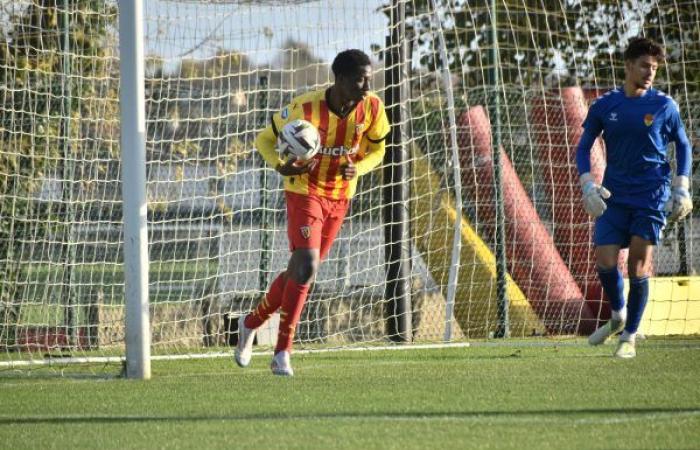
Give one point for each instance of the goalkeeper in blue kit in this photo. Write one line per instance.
(639, 194)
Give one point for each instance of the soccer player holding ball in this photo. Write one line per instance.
(638, 193)
(352, 126)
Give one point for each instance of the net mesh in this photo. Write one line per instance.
(215, 73)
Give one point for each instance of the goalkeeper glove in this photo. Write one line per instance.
(594, 196)
(680, 203)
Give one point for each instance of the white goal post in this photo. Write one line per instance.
(133, 146)
(138, 222)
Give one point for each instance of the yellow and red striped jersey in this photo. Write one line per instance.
(358, 137)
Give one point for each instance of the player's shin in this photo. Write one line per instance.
(292, 303)
(611, 279)
(637, 300)
(270, 304)
(613, 285)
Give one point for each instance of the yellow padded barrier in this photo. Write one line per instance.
(434, 216)
(673, 307)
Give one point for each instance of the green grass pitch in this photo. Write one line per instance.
(514, 395)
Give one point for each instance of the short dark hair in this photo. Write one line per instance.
(641, 46)
(348, 62)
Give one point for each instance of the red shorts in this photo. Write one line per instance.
(313, 221)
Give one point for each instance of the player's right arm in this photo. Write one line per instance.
(593, 194)
(266, 143)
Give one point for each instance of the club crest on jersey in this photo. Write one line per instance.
(305, 231)
(648, 119)
(284, 113)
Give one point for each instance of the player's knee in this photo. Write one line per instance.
(605, 267)
(305, 272)
(607, 256)
(638, 269)
(303, 266)
(606, 264)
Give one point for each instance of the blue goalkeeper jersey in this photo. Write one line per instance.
(636, 131)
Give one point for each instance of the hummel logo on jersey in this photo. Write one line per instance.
(613, 117)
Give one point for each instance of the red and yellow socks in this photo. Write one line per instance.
(270, 304)
(292, 303)
(288, 296)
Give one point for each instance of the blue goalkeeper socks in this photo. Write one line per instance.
(637, 300)
(614, 287)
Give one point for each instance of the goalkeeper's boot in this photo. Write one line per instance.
(244, 349)
(602, 334)
(281, 365)
(625, 350)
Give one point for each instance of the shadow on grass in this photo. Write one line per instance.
(567, 413)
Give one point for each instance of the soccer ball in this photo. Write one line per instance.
(300, 139)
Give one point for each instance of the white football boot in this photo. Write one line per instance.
(281, 365)
(602, 334)
(625, 350)
(244, 349)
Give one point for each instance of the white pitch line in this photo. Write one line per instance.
(675, 346)
(117, 359)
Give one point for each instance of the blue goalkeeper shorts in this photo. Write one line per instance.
(619, 223)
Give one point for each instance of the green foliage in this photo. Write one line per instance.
(180, 128)
(579, 41)
(58, 110)
(676, 26)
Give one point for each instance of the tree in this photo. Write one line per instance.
(675, 24)
(58, 109)
(562, 41)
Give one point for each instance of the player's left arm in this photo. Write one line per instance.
(680, 204)
(376, 146)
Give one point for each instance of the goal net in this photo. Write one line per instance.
(217, 70)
